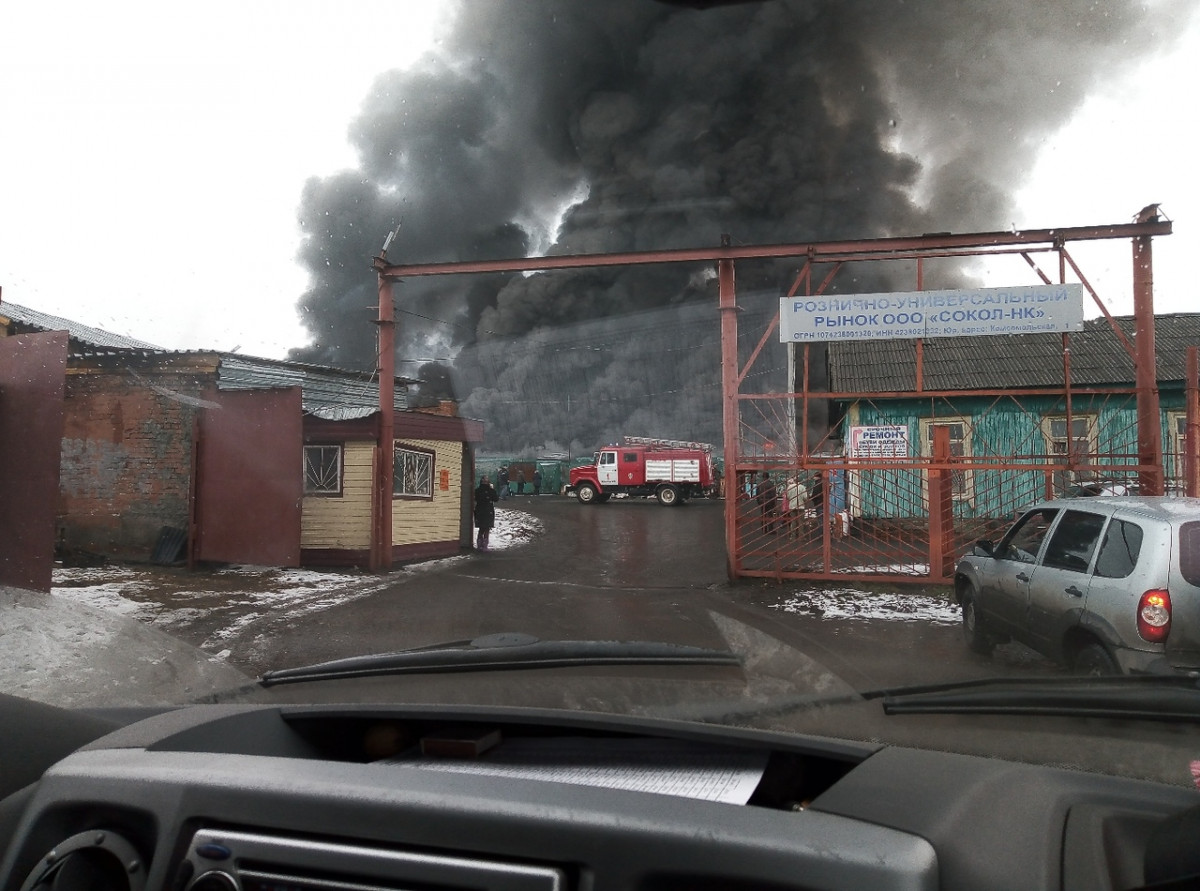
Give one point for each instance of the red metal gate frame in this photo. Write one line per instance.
(916, 249)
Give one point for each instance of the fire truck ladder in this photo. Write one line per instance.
(666, 443)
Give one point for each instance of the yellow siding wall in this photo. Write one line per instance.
(416, 521)
(345, 522)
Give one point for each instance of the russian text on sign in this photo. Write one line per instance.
(1031, 309)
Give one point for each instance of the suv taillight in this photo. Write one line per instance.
(1154, 615)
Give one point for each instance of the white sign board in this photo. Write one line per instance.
(1034, 309)
(878, 442)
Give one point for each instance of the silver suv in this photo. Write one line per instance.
(1103, 585)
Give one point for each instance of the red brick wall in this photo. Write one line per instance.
(126, 460)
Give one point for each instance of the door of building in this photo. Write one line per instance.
(249, 479)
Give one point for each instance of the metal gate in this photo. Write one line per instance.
(830, 516)
(803, 505)
(900, 518)
(33, 370)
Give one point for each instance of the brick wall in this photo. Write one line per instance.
(126, 459)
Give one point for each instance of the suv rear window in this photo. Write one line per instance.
(1189, 552)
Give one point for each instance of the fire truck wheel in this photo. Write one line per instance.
(668, 495)
(586, 494)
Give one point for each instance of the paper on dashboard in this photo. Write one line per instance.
(662, 766)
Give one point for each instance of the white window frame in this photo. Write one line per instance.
(1064, 479)
(925, 431)
(412, 472)
(1092, 436)
(329, 483)
(1177, 429)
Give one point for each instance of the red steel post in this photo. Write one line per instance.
(941, 508)
(1191, 439)
(730, 415)
(381, 514)
(1149, 435)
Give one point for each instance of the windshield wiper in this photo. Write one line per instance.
(499, 652)
(1143, 697)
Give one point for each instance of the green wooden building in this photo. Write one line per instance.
(1010, 414)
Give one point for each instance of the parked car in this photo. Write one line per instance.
(1109, 587)
(1101, 487)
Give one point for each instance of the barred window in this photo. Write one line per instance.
(412, 473)
(322, 470)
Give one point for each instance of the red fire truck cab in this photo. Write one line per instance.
(669, 470)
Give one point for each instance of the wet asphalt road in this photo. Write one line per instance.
(626, 570)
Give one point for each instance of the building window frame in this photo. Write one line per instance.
(1058, 441)
(1177, 430)
(324, 469)
(962, 481)
(1085, 435)
(412, 472)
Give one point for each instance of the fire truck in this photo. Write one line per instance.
(670, 470)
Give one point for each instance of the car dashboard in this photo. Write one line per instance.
(299, 798)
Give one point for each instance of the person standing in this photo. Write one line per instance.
(795, 504)
(485, 512)
(520, 482)
(768, 501)
(816, 492)
(502, 480)
(537, 481)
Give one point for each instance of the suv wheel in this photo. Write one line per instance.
(977, 638)
(1094, 661)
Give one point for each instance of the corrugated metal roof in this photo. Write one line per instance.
(330, 393)
(84, 334)
(1004, 361)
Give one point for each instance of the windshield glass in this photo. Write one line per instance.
(336, 330)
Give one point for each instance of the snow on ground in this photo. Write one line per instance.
(225, 601)
(513, 528)
(861, 605)
(73, 654)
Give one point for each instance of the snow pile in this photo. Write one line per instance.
(513, 528)
(73, 654)
(859, 605)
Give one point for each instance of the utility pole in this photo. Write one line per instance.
(1149, 433)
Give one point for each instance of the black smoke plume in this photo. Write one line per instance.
(579, 127)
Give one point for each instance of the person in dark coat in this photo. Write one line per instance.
(768, 501)
(485, 512)
(502, 478)
(537, 481)
(520, 482)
